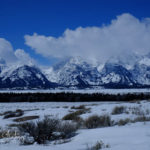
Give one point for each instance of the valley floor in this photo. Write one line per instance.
(87, 90)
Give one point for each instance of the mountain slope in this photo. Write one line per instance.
(24, 77)
(75, 72)
(115, 75)
(141, 71)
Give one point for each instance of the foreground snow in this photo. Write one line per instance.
(133, 136)
(130, 137)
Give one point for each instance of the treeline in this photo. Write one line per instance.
(70, 97)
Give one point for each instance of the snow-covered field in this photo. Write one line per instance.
(132, 136)
(96, 90)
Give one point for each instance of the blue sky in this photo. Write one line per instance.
(52, 17)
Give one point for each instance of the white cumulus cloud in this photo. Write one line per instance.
(24, 57)
(6, 51)
(125, 34)
(10, 55)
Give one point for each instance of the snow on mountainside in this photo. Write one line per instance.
(141, 71)
(75, 72)
(116, 75)
(23, 76)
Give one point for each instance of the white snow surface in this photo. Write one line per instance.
(112, 77)
(145, 61)
(133, 136)
(90, 91)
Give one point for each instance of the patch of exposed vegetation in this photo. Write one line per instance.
(118, 110)
(75, 116)
(25, 118)
(7, 133)
(78, 107)
(123, 122)
(11, 114)
(65, 107)
(48, 129)
(136, 111)
(72, 116)
(141, 119)
(96, 121)
(98, 146)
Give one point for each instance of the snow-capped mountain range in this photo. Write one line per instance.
(22, 76)
(75, 72)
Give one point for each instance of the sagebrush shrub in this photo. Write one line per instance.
(98, 146)
(137, 111)
(67, 129)
(48, 129)
(123, 122)
(71, 116)
(75, 115)
(7, 133)
(141, 119)
(98, 121)
(118, 110)
(41, 131)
